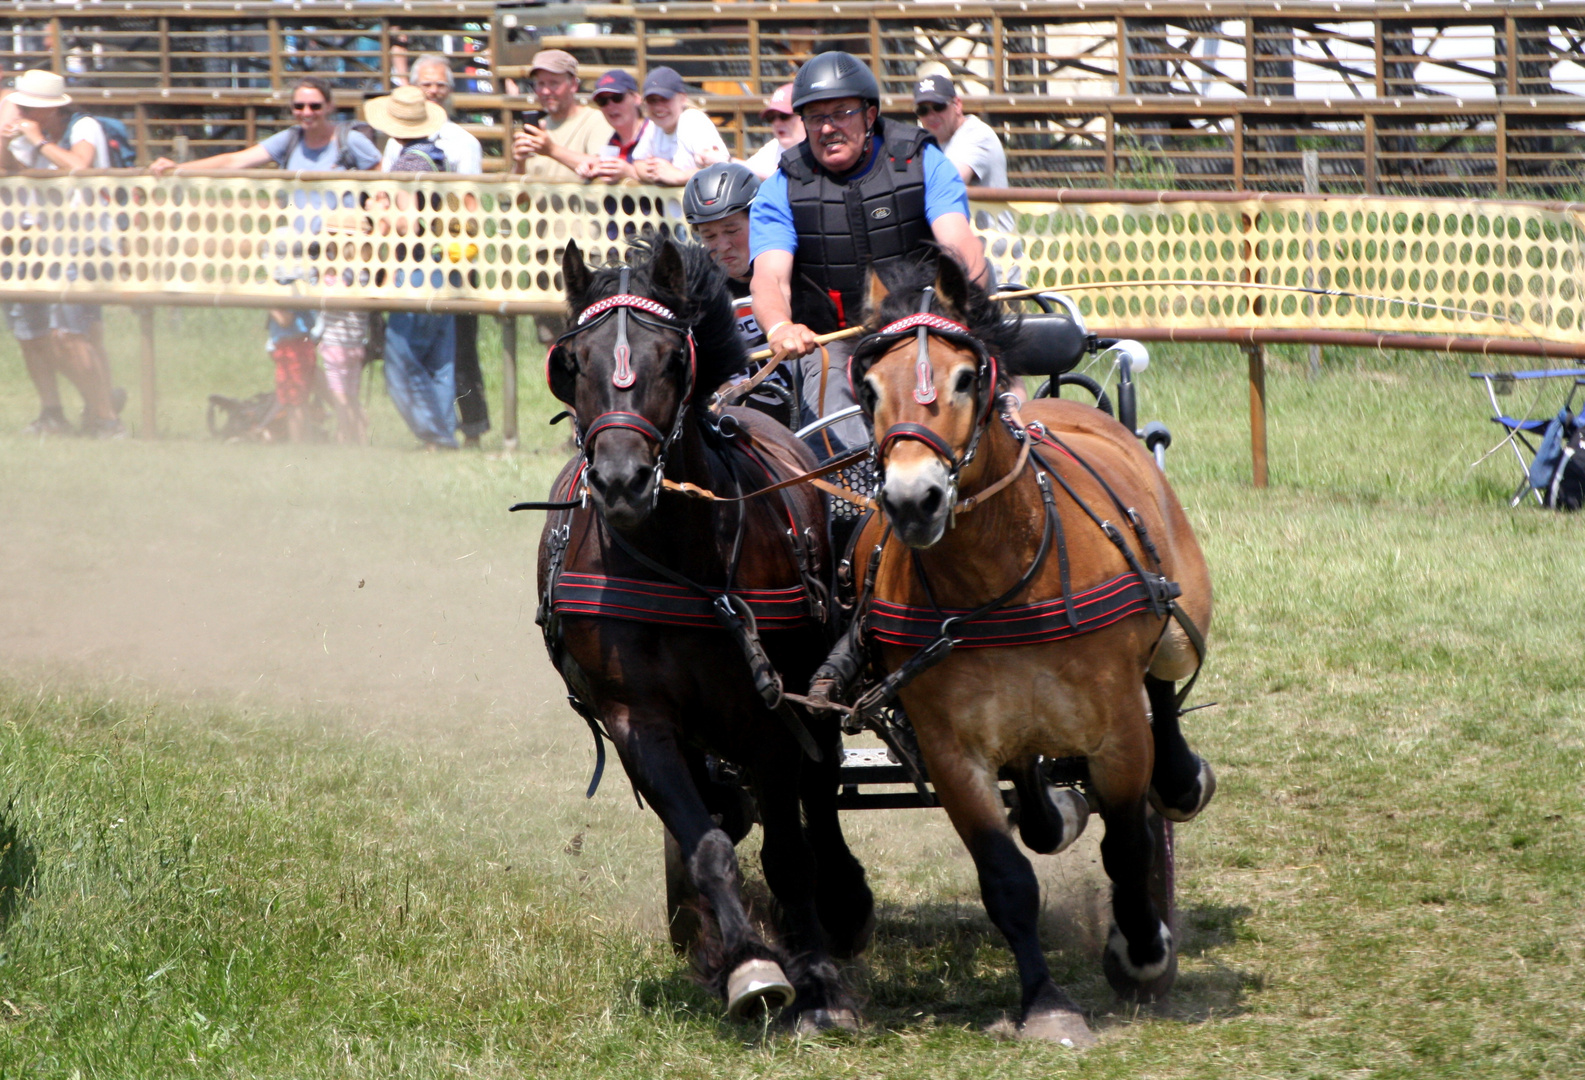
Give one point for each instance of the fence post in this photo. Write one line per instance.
(150, 412)
(1312, 186)
(508, 324)
(1257, 411)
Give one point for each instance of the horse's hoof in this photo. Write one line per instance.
(1197, 799)
(1073, 810)
(1135, 982)
(757, 983)
(816, 1021)
(1062, 1026)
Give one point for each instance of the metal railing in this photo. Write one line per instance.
(1433, 98)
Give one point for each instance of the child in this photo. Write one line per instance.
(292, 348)
(343, 345)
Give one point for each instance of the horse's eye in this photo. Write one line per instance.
(965, 382)
(868, 397)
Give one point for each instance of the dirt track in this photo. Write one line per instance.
(312, 580)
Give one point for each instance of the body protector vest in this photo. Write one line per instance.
(848, 228)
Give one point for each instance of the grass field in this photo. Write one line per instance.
(288, 789)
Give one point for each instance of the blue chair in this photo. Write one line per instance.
(1521, 429)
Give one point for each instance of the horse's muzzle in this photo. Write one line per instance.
(622, 479)
(917, 499)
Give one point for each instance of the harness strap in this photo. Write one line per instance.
(694, 491)
(626, 421)
(939, 649)
(746, 633)
(918, 433)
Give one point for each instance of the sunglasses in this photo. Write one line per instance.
(925, 108)
(307, 106)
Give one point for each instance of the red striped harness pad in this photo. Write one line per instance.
(1029, 624)
(637, 600)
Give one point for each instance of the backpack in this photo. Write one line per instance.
(118, 140)
(421, 156)
(1558, 471)
(344, 155)
(1567, 490)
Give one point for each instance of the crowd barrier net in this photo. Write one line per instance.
(1158, 265)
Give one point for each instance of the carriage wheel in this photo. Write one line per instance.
(682, 900)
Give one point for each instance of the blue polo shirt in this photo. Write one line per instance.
(770, 222)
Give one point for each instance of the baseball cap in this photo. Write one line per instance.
(934, 88)
(780, 102)
(554, 61)
(615, 81)
(664, 82)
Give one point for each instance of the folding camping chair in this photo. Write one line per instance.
(1520, 429)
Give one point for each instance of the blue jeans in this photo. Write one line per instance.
(420, 372)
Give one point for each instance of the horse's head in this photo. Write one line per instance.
(926, 377)
(626, 366)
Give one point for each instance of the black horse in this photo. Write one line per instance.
(670, 617)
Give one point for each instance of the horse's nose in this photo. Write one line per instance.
(623, 483)
(915, 502)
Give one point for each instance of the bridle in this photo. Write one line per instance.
(646, 312)
(924, 325)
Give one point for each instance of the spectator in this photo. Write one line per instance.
(573, 134)
(420, 348)
(291, 346)
(431, 73)
(38, 132)
(787, 127)
(680, 140)
(968, 141)
(343, 349)
(315, 143)
(616, 96)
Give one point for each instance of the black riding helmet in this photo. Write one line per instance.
(834, 75)
(718, 191)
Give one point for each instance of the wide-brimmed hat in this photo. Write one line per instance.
(404, 113)
(40, 90)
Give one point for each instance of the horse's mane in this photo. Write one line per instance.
(986, 319)
(705, 308)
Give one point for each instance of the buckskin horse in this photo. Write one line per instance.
(1020, 598)
(670, 617)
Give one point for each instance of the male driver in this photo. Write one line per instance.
(572, 134)
(968, 141)
(616, 96)
(431, 73)
(786, 126)
(804, 228)
(679, 140)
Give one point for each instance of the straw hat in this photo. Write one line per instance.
(40, 90)
(405, 114)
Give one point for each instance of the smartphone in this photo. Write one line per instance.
(534, 117)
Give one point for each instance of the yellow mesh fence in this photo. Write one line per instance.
(1159, 265)
(1382, 265)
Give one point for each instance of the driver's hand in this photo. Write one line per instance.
(792, 340)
